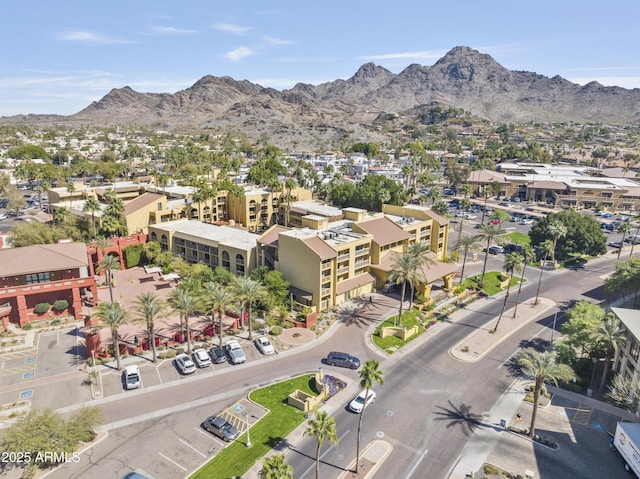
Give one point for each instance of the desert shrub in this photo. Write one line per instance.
(60, 305)
(276, 330)
(41, 308)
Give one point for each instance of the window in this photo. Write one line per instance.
(240, 264)
(159, 206)
(38, 278)
(154, 236)
(226, 264)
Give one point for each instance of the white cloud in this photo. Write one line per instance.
(91, 38)
(165, 30)
(275, 41)
(425, 55)
(231, 28)
(239, 53)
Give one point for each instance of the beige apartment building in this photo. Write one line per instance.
(196, 242)
(329, 262)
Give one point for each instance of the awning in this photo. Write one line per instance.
(152, 269)
(170, 277)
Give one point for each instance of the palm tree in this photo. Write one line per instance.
(102, 244)
(542, 367)
(92, 206)
(248, 291)
(217, 298)
(276, 467)
(633, 243)
(369, 374)
(466, 243)
(625, 229)
(610, 332)
(465, 204)
(512, 261)
(420, 252)
(149, 308)
(113, 315)
(546, 247)
(557, 229)
(488, 234)
(322, 427)
(71, 188)
(402, 269)
(434, 194)
(108, 264)
(60, 215)
(185, 302)
(289, 185)
(528, 255)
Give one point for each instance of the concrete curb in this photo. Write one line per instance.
(377, 451)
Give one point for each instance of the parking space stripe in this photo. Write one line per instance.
(190, 446)
(17, 370)
(173, 462)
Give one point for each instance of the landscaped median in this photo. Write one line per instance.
(392, 334)
(282, 418)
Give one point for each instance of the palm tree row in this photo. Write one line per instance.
(187, 299)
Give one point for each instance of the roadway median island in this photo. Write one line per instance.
(480, 342)
(268, 433)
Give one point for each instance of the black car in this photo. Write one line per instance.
(343, 360)
(217, 426)
(217, 355)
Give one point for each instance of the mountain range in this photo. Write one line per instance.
(463, 78)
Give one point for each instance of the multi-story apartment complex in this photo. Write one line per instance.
(329, 262)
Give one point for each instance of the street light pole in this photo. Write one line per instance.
(248, 443)
(553, 329)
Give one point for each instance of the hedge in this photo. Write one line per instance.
(133, 255)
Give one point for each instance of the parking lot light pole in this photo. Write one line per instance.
(248, 443)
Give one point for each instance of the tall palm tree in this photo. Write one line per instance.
(149, 308)
(71, 188)
(289, 185)
(466, 243)
(557, 229)
(113, 315)
(109, 264)
(542, 367)
(528, 255)
(546, 247)
(184, 300)
(248, 291)
(102, 244)
(369, 374)
(434, 194)
(276, 467)
(420, 251)
(465, 204)
(220, 299)
(322, 427)
(625, 229)
(60, 215)
(92, 206)
(512, 262)
(611, 332)
(488, 234)
(402, 269)
(633, 243)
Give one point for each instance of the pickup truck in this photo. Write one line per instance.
(235, 352)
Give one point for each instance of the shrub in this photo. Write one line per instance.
(56, 322)
(276, 330)
(41, 308)
(167, 354)
(27, 326)
(60, 305)
(491, 470)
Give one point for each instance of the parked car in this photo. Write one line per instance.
(3, 216)
(526, 221)
(201, 358)
(184, 364)
(343, 360)
(218, 426)
(616, 244)
(470, 216)
(494, 222)
(264, 345)
(131, 376)
(505, 205)
(235, 352)
(495, 249)
(607, 215)
(388, 287)
(358, 403)
(134, 475)
(217, 354)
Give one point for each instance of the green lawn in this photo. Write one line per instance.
(491, 282)
(393, 343)
(236, 459)
(518, 238)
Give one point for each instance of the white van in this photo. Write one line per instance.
(131, 376)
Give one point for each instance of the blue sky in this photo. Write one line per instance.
(58, 57)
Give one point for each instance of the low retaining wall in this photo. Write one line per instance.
(398, 331)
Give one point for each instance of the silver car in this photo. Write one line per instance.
(184, 364)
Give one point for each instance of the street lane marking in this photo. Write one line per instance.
(325, 453)
(173, 462)
(417, 463)
(189, 445)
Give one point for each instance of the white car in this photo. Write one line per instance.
(264, 345)
(184, 364)
(131, 375)
(201, 358)
(526, 221)
(359, 403)
(235, 352)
